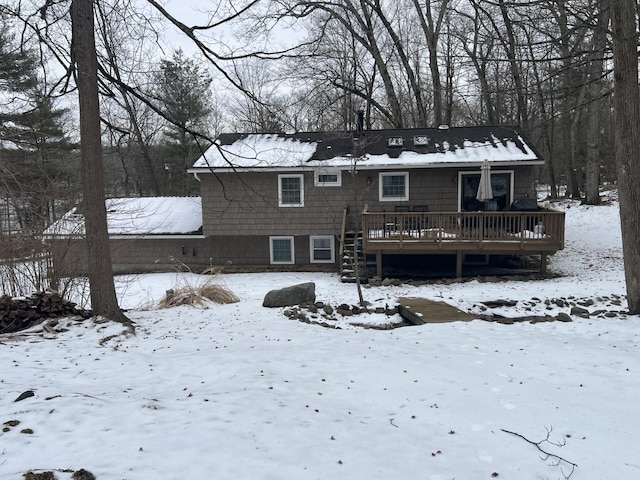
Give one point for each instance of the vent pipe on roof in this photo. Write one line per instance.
(360, 124)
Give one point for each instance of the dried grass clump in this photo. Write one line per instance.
(198, 295)
(218, 294)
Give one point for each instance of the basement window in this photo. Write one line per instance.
(281, 250)
(322, 249)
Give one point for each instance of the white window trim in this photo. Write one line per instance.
(291, 175)
(393, 174)
(332, 247)
(293, 250)
(332, 171)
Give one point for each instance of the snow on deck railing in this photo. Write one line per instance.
(508, 226)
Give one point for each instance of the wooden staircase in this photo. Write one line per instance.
(352, 259)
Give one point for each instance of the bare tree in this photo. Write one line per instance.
(133, 134)
(595, 102)
(103, 295)
(431, 24)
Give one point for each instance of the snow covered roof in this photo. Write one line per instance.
(139, 216)
(417, 148)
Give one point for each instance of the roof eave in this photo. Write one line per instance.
(364, 166)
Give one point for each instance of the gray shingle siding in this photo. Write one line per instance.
(247, 203)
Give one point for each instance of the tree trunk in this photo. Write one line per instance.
(574, 175)
(103, 295)
(431, 31)
(596, 68)
(414, 84)
(627, 115)
(515, 67)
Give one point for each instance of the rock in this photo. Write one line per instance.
(83, 474)
(311, 307)
(24, 395)
(580, 312)
(290, 296)
(586, 303)
(500, 303)
(563, 317)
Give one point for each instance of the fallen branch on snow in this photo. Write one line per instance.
(559, 461)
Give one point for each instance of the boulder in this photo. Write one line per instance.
(563, 317)
(580, 312)
(290, 296)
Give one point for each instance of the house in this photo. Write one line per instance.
(146, 234)
(361, 201)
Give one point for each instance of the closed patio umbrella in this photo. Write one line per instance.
(485, 193)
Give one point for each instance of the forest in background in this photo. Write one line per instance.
(545, 66)
(542, 65)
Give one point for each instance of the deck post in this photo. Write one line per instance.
(379, 264)
(543, 263)
(458, 264)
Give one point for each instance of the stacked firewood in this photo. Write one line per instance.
(18, 314)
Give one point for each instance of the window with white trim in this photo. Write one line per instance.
(394, 186)
(322, 249)
(291, 190)
(281, 250)
(327, 178)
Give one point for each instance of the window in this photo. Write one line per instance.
(501, 186)
(394, 186)
(281, 250)
(420, 140)
(291, 190)
(322, 249)
(327, 178)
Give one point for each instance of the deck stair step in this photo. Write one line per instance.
(353, 257)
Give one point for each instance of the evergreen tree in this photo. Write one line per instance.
(36, 177)
(17, 78)
(183, 94)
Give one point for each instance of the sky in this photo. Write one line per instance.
(240, 391)
(228, 34)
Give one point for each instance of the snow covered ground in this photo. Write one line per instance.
(241, 392)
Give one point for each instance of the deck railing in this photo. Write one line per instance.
(544, 228)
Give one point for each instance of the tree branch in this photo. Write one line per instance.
(559, 461)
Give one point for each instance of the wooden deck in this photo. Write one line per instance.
(493, 233)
